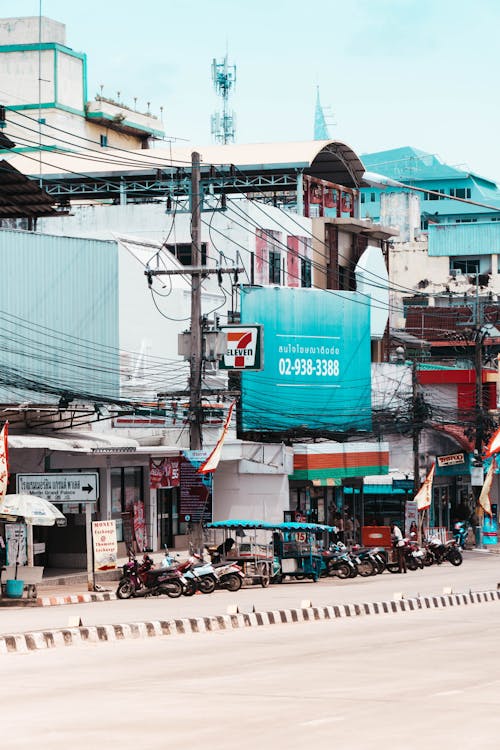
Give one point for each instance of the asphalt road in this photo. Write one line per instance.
(430, 678)
(479, 572)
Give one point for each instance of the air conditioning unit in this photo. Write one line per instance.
(454, 272)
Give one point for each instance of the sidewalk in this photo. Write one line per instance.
(69, 586)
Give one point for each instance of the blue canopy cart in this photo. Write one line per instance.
(248, 543)
(299, 548)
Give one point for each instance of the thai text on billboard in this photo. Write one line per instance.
(316, 361)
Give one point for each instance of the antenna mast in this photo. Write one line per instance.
(223, 123)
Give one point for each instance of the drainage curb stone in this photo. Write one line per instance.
(46, 639)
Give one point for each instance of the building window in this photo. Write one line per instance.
(182, 251)
(126, 488)
(362, 197)
(460, 192)
(465, 221)
(468, 266)
(305, 272)
(104, 140)
(437, 195)
(274, 267)
(372, 197)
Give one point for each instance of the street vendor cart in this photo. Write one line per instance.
(299, 549)
(248, 543)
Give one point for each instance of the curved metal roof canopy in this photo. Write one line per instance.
(328, 160)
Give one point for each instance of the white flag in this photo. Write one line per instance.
(423, 497)
(211, 463)
(484, 497)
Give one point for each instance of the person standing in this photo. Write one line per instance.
(399, 545)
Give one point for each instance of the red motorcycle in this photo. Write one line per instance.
(145, 580)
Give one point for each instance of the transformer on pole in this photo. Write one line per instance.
(223, 123)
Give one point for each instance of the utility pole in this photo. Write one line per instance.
(196, 346)
(196, 353)
(416, 427)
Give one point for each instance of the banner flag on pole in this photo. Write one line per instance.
(423, 497)
(4, 460)
(212, 461)
(484, 498)
(494, 444)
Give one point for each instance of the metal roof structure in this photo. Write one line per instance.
(256, 167)
(20, 197)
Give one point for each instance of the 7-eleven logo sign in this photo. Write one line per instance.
(243, 348)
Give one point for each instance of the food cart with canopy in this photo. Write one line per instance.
(248, 543)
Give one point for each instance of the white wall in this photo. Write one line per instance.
(252, 496)
(19, 72)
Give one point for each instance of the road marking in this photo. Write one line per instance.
(448, 692)
(318, 722)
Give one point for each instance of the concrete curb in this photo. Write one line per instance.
(45, 639)
(53, 601)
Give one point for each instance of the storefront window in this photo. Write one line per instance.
(126, 488)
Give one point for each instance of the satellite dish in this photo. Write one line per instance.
(372, 279)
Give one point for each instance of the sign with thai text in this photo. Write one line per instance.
(105, 545)
(77, 487)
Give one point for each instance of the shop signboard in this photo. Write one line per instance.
(453, 464)
(16, 539)
(105, 545)
(164, 472)
(411, 517)
(196, 489)
(244, 347)
(316, 361)
(61, 487)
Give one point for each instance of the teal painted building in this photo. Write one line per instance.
(427, 172)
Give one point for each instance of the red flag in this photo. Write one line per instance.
(424, 495)
(212, 461)
(484, 497)
(4, 460)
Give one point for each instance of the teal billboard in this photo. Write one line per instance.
(316, 360)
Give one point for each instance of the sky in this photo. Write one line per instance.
(392, 73)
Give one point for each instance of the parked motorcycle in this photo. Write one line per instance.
(145, 580)
(448, 551)
(229, 576)
(460, 532)
(364, 560)
(199, 575)
(414, 555)
(338, 562)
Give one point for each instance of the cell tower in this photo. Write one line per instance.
(223, 123)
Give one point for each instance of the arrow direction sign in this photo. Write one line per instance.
(77, 487)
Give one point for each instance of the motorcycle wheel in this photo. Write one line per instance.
(411, 563)
(124, 590)
(428, 560)
(342, 571)
(207, 585)
(380, 564)
(455, 557)
(173, 589)
(330, 570)
(392, 567)
(233, 582)
(189, 588)
(366, 568)
(353, 572)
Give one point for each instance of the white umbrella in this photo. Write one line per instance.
(35, 510)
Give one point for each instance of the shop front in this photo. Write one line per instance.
(116, 486)
(324, 486)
